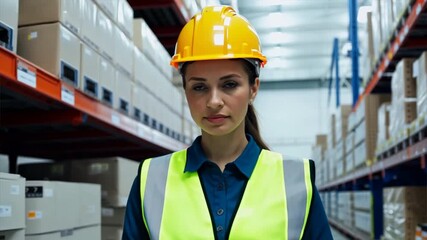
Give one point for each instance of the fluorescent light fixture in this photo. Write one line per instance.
(362, 15)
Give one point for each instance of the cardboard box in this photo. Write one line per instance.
(32, 12)
(89, 31)
(113, 216)
(107, 79)
(383, 124)
(123, 89)
(53, 48)
(89, 66)
(321, 140)
(123, 52)
(45, 211)
(17, 234)
(9, 23)
(92, 232)
(12, 201)
(111, 233)
(331, 135)
(109, 8)
(89, 204)
(125, 18)
(115, 175)
(341, 122)
(105, 30)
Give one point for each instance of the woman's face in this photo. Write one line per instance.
(218, 94)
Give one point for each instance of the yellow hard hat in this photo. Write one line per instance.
(217, 33)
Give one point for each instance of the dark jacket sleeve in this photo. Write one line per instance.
(134, 227)
(317, 226)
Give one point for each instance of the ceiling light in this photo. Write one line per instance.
(362, 15)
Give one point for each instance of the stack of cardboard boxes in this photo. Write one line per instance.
(12, 207)
(113, 177)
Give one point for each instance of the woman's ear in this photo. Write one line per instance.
(254, 89)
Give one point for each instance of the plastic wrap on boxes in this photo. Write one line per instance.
(331, 134)
(376, 29)
(387, 19)
(9, 24)
(360, 155)
(144, 38)
(404, 208)
(349, 157)
(420, 74)
(362, 220)
(362, 200)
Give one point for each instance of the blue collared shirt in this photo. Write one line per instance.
(223, 192)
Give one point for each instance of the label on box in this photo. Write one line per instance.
(5, 211)
(115, 119)
(107, 212)
(48, 192)
(34, 215)
(67, 94)
(26, 74)
(34, 192)
(14, 190)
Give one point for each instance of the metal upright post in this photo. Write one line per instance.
(376, 186)
(337, 71)
(354, 50)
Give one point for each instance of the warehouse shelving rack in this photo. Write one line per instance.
(42, 116)
(403, 161)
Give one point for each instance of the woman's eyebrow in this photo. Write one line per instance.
(230, 76)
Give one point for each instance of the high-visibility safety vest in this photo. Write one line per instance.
(275, 204)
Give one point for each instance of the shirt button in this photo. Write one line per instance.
(219, 228)
(220, 212)
(220, 187)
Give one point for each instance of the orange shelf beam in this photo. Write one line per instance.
(50, 87)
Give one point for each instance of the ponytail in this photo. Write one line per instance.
(251, 127)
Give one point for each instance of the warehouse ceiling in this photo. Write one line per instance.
(297, 36)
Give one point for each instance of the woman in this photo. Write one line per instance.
(227, 184)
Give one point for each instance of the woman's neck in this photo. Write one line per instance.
(224, 149)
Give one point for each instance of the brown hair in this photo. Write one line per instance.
(251, 121)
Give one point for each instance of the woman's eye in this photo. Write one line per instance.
(198, 87)
(230, 84)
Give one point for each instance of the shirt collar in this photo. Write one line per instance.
(245, 162)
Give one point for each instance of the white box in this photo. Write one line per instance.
(45, 206)
(113, 216)
(89, 31)
(12, 201)
(125, 18)
(111, 233)
(88, 233)
(123, 51)
(142, 103)
(105, 31)
(115, 175)
(9, 23)
(89, 204)
(109, 7)
(53, 48)
(144, 38)
(69, 13)
(89, 74)
(107, 79)
(85, 233)
(123, 90)
(17, 234)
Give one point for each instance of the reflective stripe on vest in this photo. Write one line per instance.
(275, 203)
